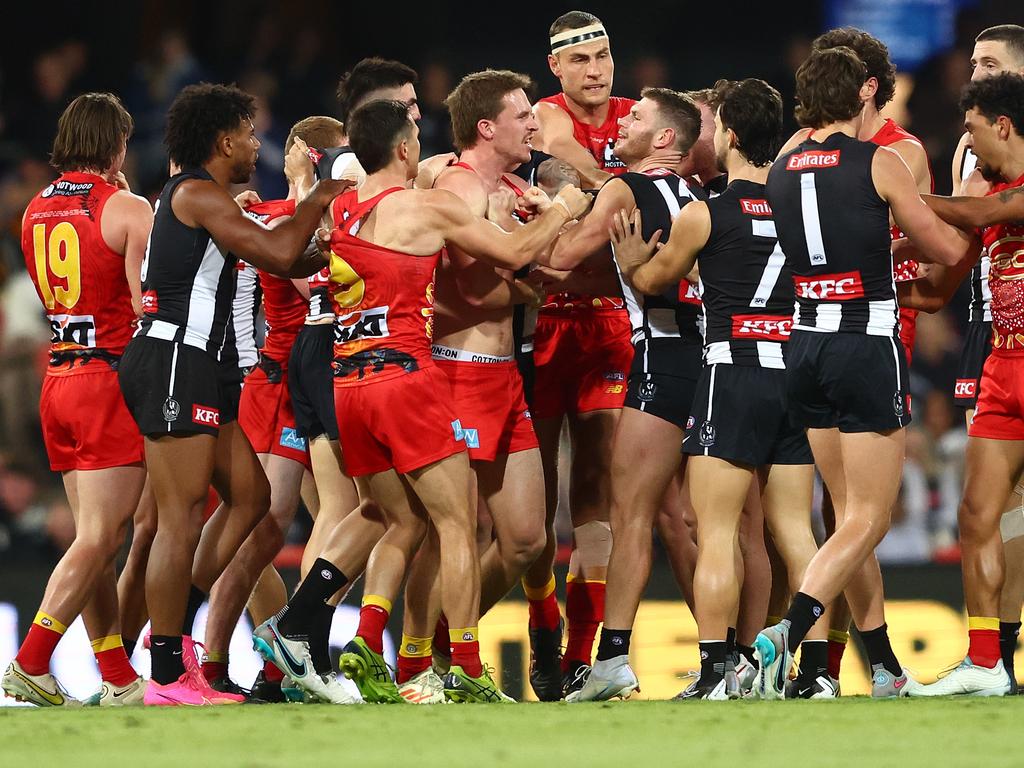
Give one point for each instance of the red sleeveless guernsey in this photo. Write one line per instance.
(383, 300)
(283, 306)
(1005, 246)
(890, 133)
(599, 142)
(79, 279)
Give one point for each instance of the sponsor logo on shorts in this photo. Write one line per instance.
(813, 159)
(966, 388)
(768, 327)
(471, 437)
(527, 415)
(205, 416)
(690, 422)
(614, 389)
(842, 286)
(897, 404)
(365, 324)
(755, 207)
(707, 434)
(149, 302)
(646, 391)
(689, 293)
(171, 410)
(614, 376)
(457, 429)
(290, 439)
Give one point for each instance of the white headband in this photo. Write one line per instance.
(572, 37)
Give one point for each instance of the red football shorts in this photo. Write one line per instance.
(405, 422)
(86, 424)
(490, 407)
(582, 361)
(999, 414)
(265, 415)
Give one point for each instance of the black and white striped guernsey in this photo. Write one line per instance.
(188, 285)
(745, 283)
(834, 229)
(660, 323)
(981, 297)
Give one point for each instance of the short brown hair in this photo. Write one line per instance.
(710, 97)
(828, 87)
(91, 133)
(318, 131)
(478, 97)
(680, 112)
(572, 20)
(1012, 35)
(871, 51)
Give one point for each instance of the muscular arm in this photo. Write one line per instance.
(280, 250)
(590, 236)
(936, 287)
(125, 226)
(556, 138)
(958, 160)
(977, 212)
(675, 260)
(916, 158)
(936, 240)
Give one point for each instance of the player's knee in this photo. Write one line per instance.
(973, 522)
(593, 544)
(525, 547)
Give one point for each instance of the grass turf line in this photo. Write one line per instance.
(852, 731)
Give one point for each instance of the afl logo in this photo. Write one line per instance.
(47, 192)
(171, 409)
(707, 434)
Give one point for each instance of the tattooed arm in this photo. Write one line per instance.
(1007, 207)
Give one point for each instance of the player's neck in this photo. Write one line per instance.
(660, 158)
(592, 115)
(872, 122)
(393, 175)
(847, 127)
(293, 192)
(221, 173)
(739, 168)
(489, 166)
(1012, 168)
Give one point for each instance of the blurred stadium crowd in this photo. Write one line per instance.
(291, 55)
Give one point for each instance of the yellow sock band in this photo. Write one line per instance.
(108, 643)
(216, 657)
(835, 636)
(982, 622)
(771, 621)
(570, 579)
(377, 600)
(539, 593)
(464, 635)
(416, 647)
(47, 621)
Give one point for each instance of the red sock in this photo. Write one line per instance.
(40, 642)
(214, 669)
(271, 673)
(584, 608)
(373, 618)
(836, 646)
(543, 602)
(115, 668)
(984, 641)
(466, 650)
(442, 639)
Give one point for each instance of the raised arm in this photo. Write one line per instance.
(591, 234)
(279, 250)
(936, 240)
(556, 138)
(651, 270)
(958, 162)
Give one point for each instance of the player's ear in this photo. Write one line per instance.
(554, 66)
(485, 129)
(869, 89)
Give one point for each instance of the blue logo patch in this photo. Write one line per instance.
(457, 430)
(291, 439)
(472, 438)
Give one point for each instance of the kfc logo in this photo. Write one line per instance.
(965, 388)
(843, 286)
(689, 293)
(206, 416)
(761, 327)
(756, 207)
(149, 302)
(813, 160)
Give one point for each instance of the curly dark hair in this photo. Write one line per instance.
(871, 51)
(199, 114)
(369, 75)
(753, 110)
(828, 87)
(997, 96)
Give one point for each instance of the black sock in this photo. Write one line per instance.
(320, 584)
(196, 597)
(748, 654)
(802, 613)
(813, 659)
(129, 646)
(165, 654)
(614, 642)
(730, 641)
(879, 649)
(1008, 631)
(320, 639)
(712, 661)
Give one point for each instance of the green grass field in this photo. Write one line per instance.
(851, 731)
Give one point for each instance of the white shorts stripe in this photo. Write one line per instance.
(711, 401)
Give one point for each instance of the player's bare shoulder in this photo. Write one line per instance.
(465, 184)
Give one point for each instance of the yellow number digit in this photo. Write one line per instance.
(62, 254)
(348, 287)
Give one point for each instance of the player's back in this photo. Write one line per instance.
(834, 229)
(80, 279)
(382, 299)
